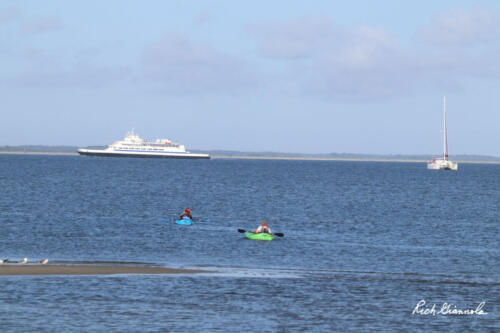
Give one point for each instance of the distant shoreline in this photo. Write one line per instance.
(256, 157)
(341, 159)
(37, 153)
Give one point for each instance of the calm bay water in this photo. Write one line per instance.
(364, 243)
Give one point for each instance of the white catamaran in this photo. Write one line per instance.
(443, 163)
(134, 146)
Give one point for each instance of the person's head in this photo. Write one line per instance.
(188, 210)
(263, 223)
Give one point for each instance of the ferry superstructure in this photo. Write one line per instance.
(133, 146)
(443, 163)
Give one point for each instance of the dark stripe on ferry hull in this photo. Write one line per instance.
(187, 156)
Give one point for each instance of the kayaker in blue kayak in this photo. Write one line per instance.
(186, 214)
(263, 228)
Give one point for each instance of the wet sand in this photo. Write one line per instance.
(90, 270)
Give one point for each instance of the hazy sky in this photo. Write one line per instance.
(291, 76)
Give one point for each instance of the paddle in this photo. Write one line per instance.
(174, 219)
(279, 234)
(199, 219)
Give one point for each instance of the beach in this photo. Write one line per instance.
(90, 270)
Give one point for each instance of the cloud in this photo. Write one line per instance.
(317, 37)
(461, 27)
(183, 66)
(203, 18)
(79, 76)
(42, 70)
(335, 62)
(35, 25)
(9, 14)
(42, 25)
(365, 63)
(295, 39)
(465, 42)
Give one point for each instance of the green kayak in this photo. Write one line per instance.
(260, 236)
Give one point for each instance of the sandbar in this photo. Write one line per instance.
(90, 270)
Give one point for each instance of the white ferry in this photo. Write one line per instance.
(133, 146)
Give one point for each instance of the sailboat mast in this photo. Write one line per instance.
(445, 142)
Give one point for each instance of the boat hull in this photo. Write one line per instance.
(442, 165)
(184, 222)
(259, 236)
(104, 153)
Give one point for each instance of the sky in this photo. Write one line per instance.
(316, 76)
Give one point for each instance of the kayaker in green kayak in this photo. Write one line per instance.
(185, 214)
(263, 228)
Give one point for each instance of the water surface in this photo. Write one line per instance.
(364, 242)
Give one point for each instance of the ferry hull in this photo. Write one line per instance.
(88, 152)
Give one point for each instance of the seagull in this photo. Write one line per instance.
(44, 261)
(25, 260)
(3, 261)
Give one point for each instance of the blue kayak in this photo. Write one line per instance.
(184, 221)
